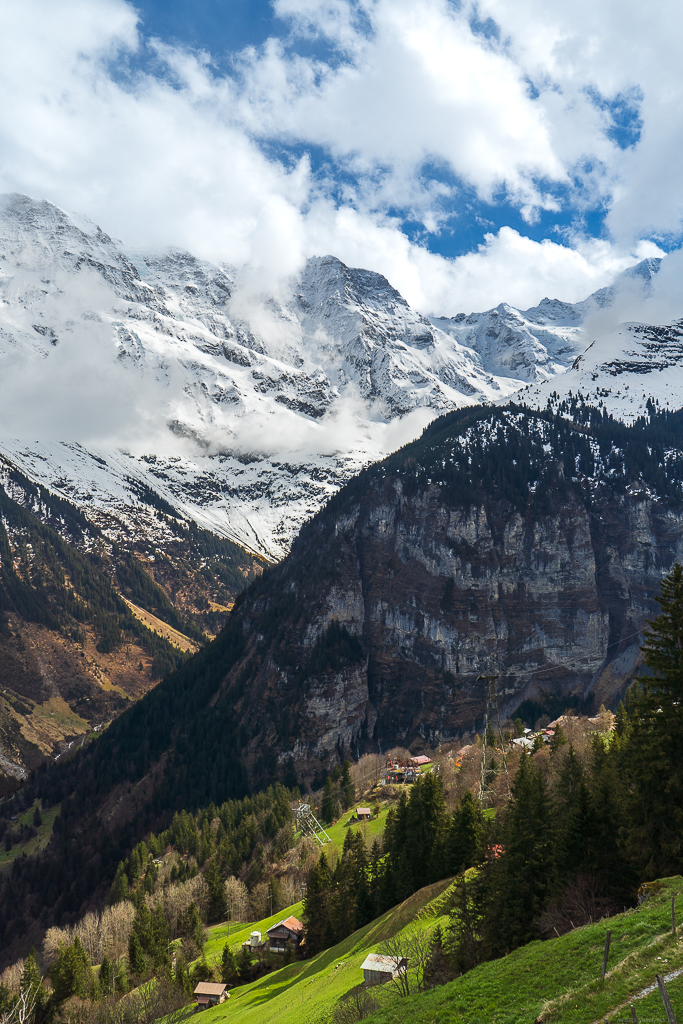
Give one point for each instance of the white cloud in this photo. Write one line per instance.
(617, 48)
(421, 87)
(174, 154)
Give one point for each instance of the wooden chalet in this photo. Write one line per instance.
(363, 813)
(378, 969)
(283, 932)
(209, 994)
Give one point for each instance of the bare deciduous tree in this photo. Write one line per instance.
(55, 939)
(237, 896)
(356, 1005)
(366, 772)
(22, 1011)
(11, 977)
(259, 902)
(89, 932)
(413, 947)
(148, 1003)
(176, 900)
(116, 924)
(290, 889)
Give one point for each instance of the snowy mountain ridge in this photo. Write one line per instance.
(123, 371)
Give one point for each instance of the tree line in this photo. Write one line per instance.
(580, 832)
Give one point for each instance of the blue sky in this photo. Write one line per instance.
(473, 152)
(220, 26)
(226, 28)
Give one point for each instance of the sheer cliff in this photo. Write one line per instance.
(504, 540)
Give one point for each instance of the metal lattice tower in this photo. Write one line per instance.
(491, 714)
(308, 824)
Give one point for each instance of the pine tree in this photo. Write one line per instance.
(244, 964)
(218, 907)
(181, 975)
(137, 964)
(228, 966)
(193, 927)
(347, 787)
(119, 888)
(327, 806)
(317, 904)
(520, 876)
(366, 909)
(426, 817)
(558, 739)
(30, 975)
(465, 835)
(654, 743)
(37, 816)
(106, 977)
(71, 973)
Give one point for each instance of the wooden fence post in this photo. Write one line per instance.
(634, 1019)
(670, 1015)
(673, 914)
(608, 938)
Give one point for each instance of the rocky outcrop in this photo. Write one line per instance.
(504, 541)
(548, 589)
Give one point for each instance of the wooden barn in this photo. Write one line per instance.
(209, 994)
(378, 969)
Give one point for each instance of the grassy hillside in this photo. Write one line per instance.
(238, 933)
(555, 982)
(33, 844)
(306, 992)
(559, 981)
(371, 829)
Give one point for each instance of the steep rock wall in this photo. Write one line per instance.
(552, 595)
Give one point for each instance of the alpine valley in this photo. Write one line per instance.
(188, 429)
(246, 540)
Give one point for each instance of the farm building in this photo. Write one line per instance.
(209, 994)
(378, 969)
(421, 761)
(283, 932)
(363, 813)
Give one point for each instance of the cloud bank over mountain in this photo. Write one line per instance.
(365, 129)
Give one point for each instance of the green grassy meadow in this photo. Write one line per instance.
(372, 829)
(553, 982)
(39, 842)
(238, 933)
(306, 992)
(558, 982)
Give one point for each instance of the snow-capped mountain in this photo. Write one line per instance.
(622, 371)
(124, 373)
(537, 344)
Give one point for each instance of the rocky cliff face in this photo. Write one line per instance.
(505, 541)
(519, 546)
